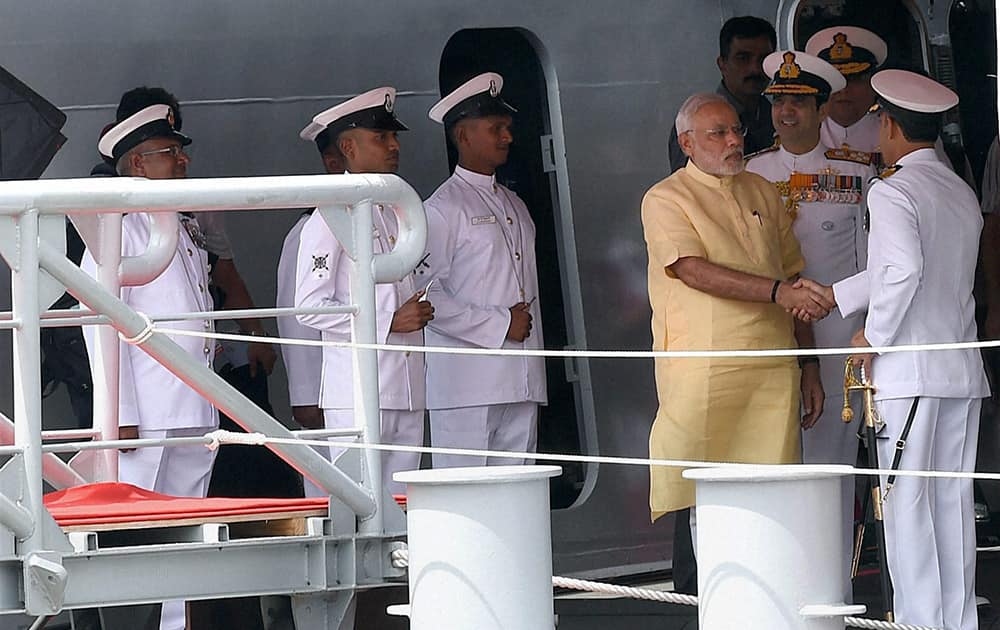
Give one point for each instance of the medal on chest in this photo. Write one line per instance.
(827, 186)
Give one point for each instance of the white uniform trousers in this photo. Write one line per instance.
(504, 427)
(181, 471)
(401, 428)
(833, 441)
(929, 523)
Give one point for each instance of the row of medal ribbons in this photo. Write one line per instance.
(826, 187)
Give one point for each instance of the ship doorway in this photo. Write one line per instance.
(533, 172)
(901, 24)
(895, 21)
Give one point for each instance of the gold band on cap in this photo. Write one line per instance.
(853, 67)
(790, 88)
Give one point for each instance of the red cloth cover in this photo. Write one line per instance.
(102, 503)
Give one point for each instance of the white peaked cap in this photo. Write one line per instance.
(913, 92)
(479, 96)
(371, 110)
(151, 122)
(796, 72)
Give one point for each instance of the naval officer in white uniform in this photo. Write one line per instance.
(481, 243)
(856, 53)
(823, 190)
(152, 402)
(363, 130)
(303, 364)
(922, 251)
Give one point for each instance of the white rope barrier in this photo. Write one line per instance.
(692, 600)
(624, 591)
(219, 437)
(587, 354)
(401, 560)
(876, 624)
(222, 436)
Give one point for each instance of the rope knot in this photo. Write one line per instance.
(221, 436)
(143, 335)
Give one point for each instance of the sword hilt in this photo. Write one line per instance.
(851, 382)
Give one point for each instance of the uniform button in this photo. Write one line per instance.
(392, 239)
(407, 353)
(208, 325)
(381, 208)
(207, 351)
(517, 255)
(510, 221)
(190, 253)
(201, 288)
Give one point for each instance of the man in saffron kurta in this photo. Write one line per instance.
(721, 250)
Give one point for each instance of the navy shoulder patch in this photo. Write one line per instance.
(847, 154)
(886, 173)
(773, 147)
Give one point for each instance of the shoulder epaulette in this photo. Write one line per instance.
(773, 147)
(847, 154)
(886, 173)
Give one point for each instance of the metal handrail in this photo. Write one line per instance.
(344, 201)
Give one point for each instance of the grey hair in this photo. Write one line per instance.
(685, 116)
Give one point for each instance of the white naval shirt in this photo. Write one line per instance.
(830, 227)
(323, 279)
(150, 396)
(303, 364)
(481, 244)
(831, 232)
(922, 251)
(861, 136)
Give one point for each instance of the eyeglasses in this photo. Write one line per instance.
(722, 132)
(174, 151)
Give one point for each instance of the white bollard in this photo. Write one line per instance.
(480, 548)
(770, 548)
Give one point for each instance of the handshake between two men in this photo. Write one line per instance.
(805, 299)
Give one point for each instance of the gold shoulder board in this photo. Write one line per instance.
(773, 147)
(889, 172)
(847, 154)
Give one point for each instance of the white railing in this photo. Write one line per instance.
(31, 225)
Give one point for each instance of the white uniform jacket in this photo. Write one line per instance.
(150, 396)
(322, 278)
(481, 244)
(303, 364)
(829, 223)
(922, 251)
(861, 136)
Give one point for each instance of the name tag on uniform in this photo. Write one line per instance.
(483, 220)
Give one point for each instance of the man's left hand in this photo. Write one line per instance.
(812, 394)
(263, 354)
(863, 359)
